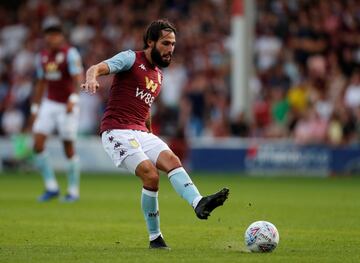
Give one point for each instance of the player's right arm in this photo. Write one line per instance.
(120, 62)
(38, 94)
(91, 84)
(40, 87)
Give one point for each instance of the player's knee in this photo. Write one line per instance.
(174, 161)
(69, 149)
(69, 153)
(152, 180)
(39, 143)
(149, 175)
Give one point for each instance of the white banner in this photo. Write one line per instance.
(92, 156)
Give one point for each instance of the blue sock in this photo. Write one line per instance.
(150, 207)
(183, 185)
(43, 164)
(73, 176)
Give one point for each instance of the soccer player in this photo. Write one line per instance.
(126, 127)
(60, 72)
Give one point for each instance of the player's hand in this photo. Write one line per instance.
(69, 107)
(90, 86)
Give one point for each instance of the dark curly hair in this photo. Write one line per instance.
(153, 31)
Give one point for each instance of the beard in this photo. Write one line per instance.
(157, 59)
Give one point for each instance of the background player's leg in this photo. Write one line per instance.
(179, 178)
(67, 125)
(43, 164)
(73, 172)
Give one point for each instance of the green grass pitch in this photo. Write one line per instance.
(318, 220)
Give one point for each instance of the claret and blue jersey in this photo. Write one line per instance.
(57, 68)
(135, 86)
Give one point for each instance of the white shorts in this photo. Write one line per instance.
(128, 148)
(52, 115)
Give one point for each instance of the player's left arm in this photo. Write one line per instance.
(76, 71)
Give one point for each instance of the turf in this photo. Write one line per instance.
(318, 220)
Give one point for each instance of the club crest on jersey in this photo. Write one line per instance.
(150, 84)
(133, 142)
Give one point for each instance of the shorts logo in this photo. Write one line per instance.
(134, 143)
(117, 145)
(122, 152)
(111, 138)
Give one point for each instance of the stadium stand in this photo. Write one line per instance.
(306, 54)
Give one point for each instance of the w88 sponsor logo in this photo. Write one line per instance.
(147, 97)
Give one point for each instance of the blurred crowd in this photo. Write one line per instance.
(308, 74)
(306, 84)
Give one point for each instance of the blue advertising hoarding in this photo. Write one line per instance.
(277, 159)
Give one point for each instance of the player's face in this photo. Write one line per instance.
(54, 39)
(163, 49)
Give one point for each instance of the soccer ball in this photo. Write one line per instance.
(261, 236)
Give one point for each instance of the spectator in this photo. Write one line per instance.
(352, 92)
(311, 129)
(267, 49)
(309, 49)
